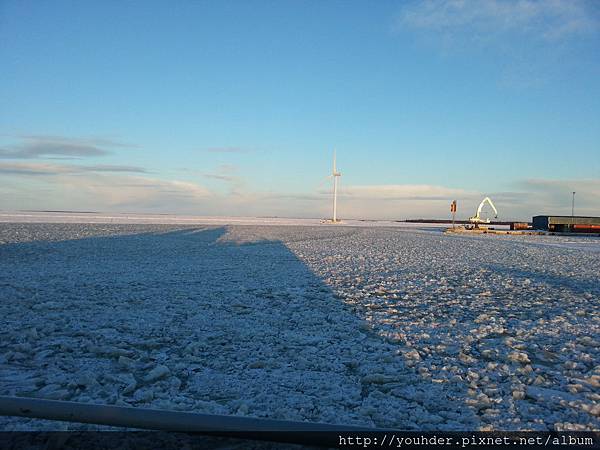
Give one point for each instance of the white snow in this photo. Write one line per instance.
(377, 326)
(174, 219)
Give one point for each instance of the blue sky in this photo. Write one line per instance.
(235, 107)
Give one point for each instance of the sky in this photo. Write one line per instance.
(234, 108)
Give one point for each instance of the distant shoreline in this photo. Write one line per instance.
(146, 214)
(180, 219)
(463, 222)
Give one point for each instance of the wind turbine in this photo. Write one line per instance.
(335, 174)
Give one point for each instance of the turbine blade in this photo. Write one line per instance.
(323, 181)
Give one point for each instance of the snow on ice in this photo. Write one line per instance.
(378, 326)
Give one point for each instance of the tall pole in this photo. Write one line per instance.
(335, 175)
(573, 206)
(335, 179)
(453, 209)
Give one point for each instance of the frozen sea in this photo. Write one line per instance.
(382, 325)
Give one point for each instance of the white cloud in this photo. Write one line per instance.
(71, 187)
(400, 201)
(555, 196)
(52, 147)
(529, 42)
(547, 196)
(55, 169)
(95, 187)
(133, 192)
(549, 20)
(402, 192)
(107, 188)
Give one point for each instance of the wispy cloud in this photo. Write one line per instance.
(557, 194)
(403, 192)
(293, 196)
(216, 176)
(229, 174)
(548, 196)
(96, 140)
(549, 20)
(530, 42)
(51, 147)
(57, 169)
(110, 191)
(107, 188)
(128, 188)
(397, 201)
(29, 169)
(113, 168)
(33, 150)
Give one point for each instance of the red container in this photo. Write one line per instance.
(584, 228)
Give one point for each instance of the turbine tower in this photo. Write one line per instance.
(335, 174)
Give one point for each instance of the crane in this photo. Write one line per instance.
(476, 219)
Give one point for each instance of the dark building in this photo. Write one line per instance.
(573, 224)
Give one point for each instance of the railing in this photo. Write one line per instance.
(163, 420)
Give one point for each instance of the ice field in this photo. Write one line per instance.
(402, 327)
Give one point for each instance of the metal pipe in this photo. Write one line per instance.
(157, 419)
